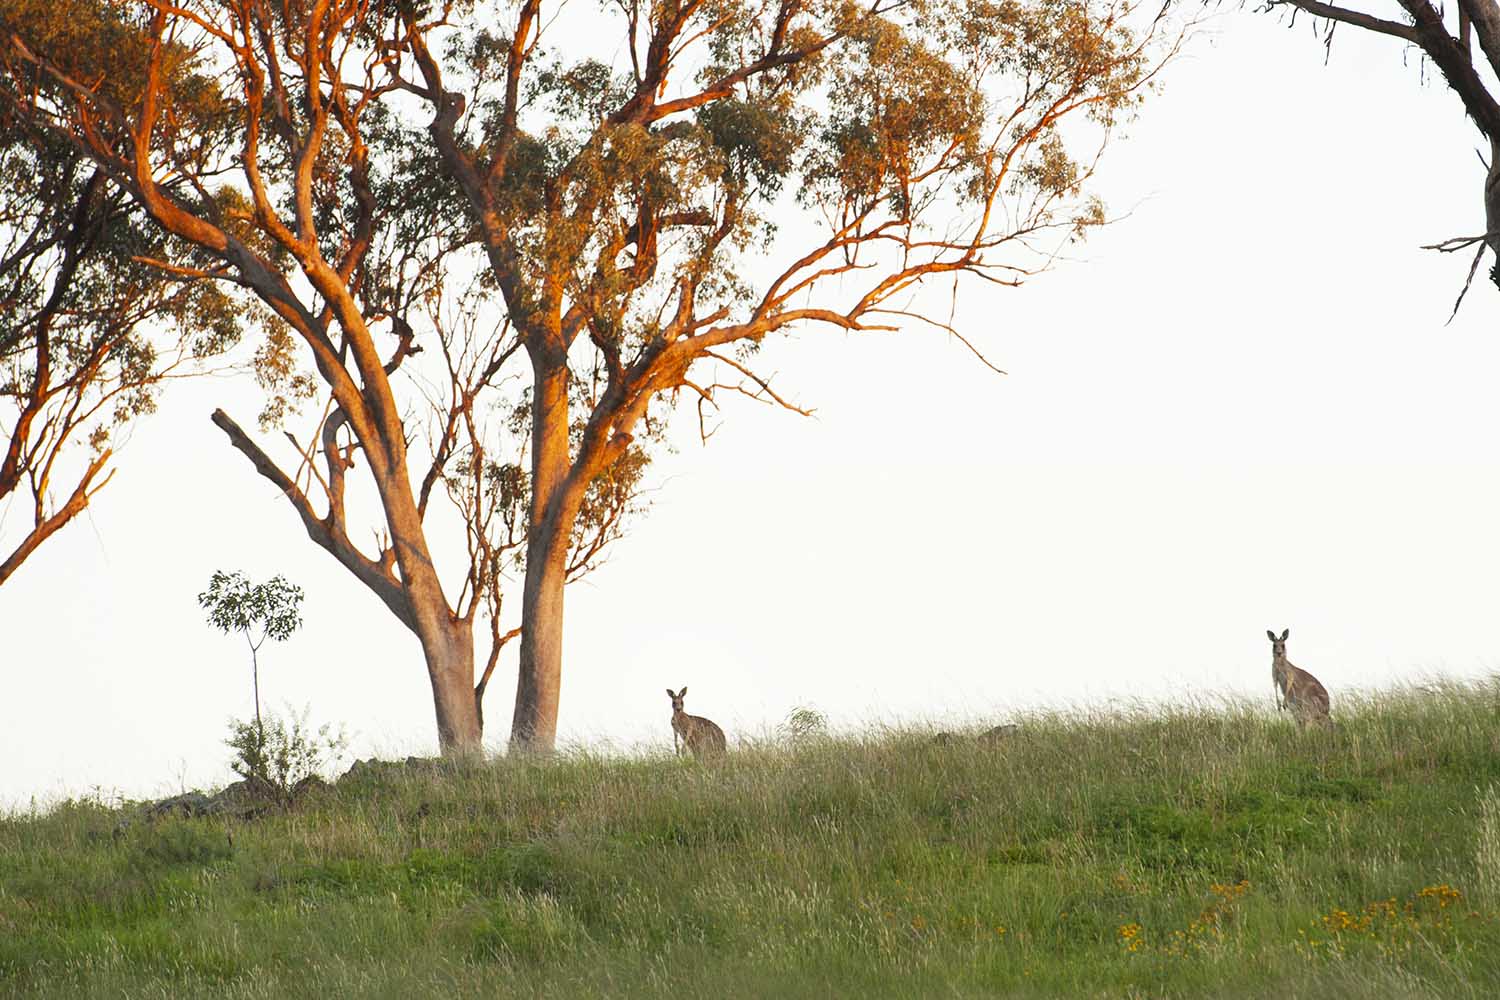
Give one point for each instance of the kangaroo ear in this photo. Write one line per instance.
(671, 693)
(1270, 635)
(1284, 633)
(683, 692)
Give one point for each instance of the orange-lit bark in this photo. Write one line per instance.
(48, 526)
(553, 505)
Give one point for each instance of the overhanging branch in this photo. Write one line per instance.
(82, 494)
(1358, 19)
(326, 533)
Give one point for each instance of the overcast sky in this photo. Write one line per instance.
(1238, 409)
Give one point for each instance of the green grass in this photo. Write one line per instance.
(1175, 853)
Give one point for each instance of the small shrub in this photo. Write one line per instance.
(281, 753)
(804, 725)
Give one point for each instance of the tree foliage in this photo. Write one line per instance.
(260, 611)
(89, 330)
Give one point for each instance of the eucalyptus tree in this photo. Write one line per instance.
(1462, 42)
(258, 611)
(88, 333)
(614, 207)
(629, 200)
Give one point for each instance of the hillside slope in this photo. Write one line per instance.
(1184, 853)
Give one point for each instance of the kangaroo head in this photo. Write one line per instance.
(1278, 645)
(676, 698)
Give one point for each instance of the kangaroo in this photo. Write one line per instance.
(693, 732)
(1296, 689)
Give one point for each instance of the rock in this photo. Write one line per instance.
(380, 770)
(248, 798)
(999, 733)
(310, 785)
(360, 769)
(248, 790)
(187, 804)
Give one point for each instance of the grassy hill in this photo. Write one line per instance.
(1181, 853)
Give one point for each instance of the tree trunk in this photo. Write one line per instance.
(450, 666)
(415, 596)
(539, 678)
(447, 641)
(1492, 208)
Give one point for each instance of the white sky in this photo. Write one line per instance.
(1240, 410)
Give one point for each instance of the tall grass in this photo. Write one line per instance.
(1178, 853)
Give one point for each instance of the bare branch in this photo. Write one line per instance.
(764, 391)
(1356, 18)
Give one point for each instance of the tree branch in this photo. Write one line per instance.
(1358, 19)
(82, 494)
(330, 537)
